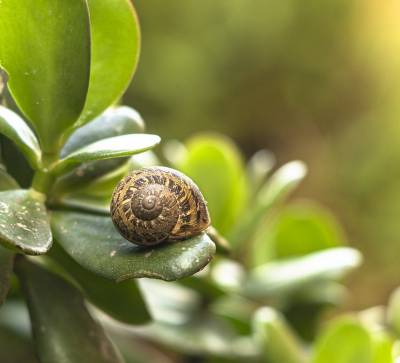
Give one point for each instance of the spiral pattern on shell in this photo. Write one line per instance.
(152, 205)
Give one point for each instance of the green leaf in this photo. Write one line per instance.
(296, 274)
(344, 341)
(63, 330)
(93, 242)
(84, 203)
(113, 147)
(85, 174)
(45, 49)
(103, 186)
(258, 167)
(205, 334)
(277, 188)
(298, 229)
(277, 341)
(122, 301)
(115, 53)
(6, 266)
(382, 345)
(24, 225)
(393, 311)
(169, 302)
(116, 121)
(7, 182)
(237, 310)
(6, 256)
(86, 193)
(224, 185)
(13, 127)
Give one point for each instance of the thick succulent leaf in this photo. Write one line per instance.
(203, 284)
(382, 345)
(6, 256)
(237, 311)
(90, 185)
(6, 266)
(63, 330)
(393, 312)
(24, 224)
(113, 147)
(93, 242)
(13, 127)
(135, 350)
(115, 121)
(224, 185)
(288, 276)
(205, 334)
(344, 341)
(84, 203)
(103, 186)
(84, 175)
(122, 301)
(40, 66)
(169, 302)
(228, 275)
(277, 341)
(258, 167)
(298, 229)
(278, 187)
(174, 152)
(7, 182)
(115, 53)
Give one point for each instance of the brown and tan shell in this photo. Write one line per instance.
(152, 205)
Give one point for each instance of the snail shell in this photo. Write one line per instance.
(151, 205)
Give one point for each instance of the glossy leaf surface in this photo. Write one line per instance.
(278, 342)
(113, 122)
(115, 52)
(113, 147)
(297, 229)
(283, 277)
(215, 165)
(93, 242)
(122, 301)
(48, 78)
(24, 225)
(344, 341)
(13, 127)
(63, 330)
(278, 187)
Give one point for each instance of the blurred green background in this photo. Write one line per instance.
(316, 81)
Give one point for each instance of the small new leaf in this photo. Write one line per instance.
(113, 147)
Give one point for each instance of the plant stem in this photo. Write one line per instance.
(43, 180)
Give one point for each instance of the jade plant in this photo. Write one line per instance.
(73, 290)
(67, 64)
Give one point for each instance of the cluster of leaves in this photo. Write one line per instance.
(64, 268)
